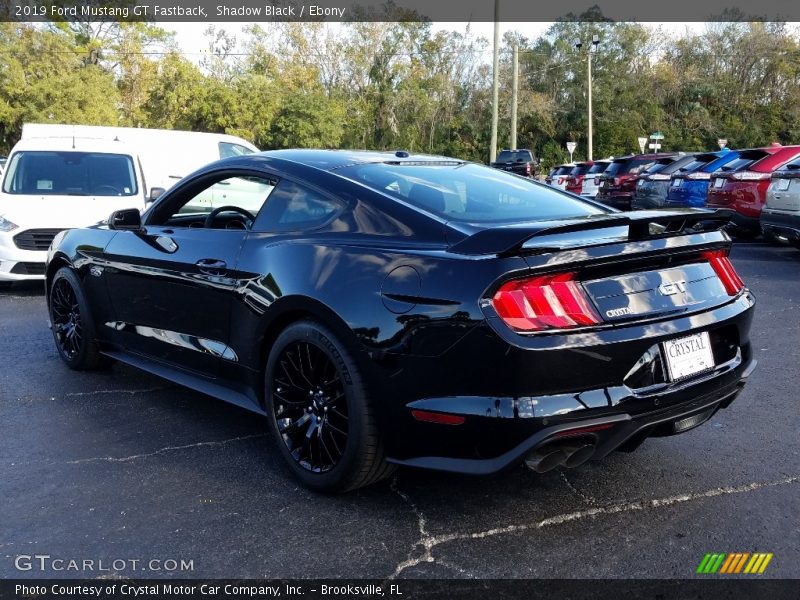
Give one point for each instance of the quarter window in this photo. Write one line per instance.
(292, 207)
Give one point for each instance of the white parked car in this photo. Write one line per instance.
(591, 181)
(561, 175)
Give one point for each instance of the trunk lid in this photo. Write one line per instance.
(634, 266)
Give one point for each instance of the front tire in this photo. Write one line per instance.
(320, 415)
(71, 323)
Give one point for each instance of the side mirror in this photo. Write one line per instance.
(128, 219)
(155, 194)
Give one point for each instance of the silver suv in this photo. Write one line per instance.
(780, 217)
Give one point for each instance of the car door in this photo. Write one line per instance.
(172, 283)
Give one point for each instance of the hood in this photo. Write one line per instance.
(62, 212)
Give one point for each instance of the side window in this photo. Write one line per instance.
(228, 149)
(234, 197)
(292, 207)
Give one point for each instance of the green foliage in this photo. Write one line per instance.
(387, 85)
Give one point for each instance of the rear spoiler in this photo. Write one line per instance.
(643, 224)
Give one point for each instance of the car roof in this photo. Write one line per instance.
(328, 160)
(70, 144)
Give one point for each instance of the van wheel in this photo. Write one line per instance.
(71, 323)
(320, 415)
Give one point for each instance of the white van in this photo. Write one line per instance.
(63, 176)
(166, 155)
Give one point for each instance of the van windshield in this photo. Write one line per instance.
(50, 173)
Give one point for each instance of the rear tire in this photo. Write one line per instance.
(319, 412)
(71, 323)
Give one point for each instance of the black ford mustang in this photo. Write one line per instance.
(388, 309)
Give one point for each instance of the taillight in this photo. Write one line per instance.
(698, 176)
(749, 176)
(527, 169)
(544, 302)
(724, 269)
(597, 180)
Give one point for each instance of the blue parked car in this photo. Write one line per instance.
(688, 185)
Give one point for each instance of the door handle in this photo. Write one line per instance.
(211, 266)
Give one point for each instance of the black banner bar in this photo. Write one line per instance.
(731, 588)
(511, 11)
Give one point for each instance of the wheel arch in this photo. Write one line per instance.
(292, 309)
(59, 260)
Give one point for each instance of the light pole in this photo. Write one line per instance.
(589, 53)
(495, 81)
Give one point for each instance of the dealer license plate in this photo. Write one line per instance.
(677, 182)
(688, 356)
(719, 182)
(782, 184)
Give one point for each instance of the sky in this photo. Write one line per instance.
(191, 41)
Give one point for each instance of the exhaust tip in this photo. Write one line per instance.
(578, 455)
(545, 459)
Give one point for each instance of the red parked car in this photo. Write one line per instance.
(741, 185)
(575, 179)
(618, 181)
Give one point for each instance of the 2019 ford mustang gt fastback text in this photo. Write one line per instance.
(385, 309)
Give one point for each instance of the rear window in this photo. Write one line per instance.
(579, 170)
(657, 167)
(597, 167)
(677, 165)
(565, 170)
(744, 161)
(791, 166)
(469, 193)
(515, 156)
(70, 173)
(695, 163)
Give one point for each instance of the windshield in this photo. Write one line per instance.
(468, 192)
(70, 174)
(514, 156)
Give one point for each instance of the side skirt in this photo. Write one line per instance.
(211, 387)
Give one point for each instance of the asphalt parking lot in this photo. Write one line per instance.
(122, 465)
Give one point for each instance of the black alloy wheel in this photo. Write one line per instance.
(71, 323)
(321, 416)
(66, 319)
(309, 404)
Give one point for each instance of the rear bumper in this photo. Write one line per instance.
(650, 195)
(691, 193)
(608, 433)
(618, 200)
(514, 398)
(781, 224)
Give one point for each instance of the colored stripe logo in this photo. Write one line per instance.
(734, 563)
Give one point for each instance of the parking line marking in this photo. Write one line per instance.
(96, 392)
(429, 542)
